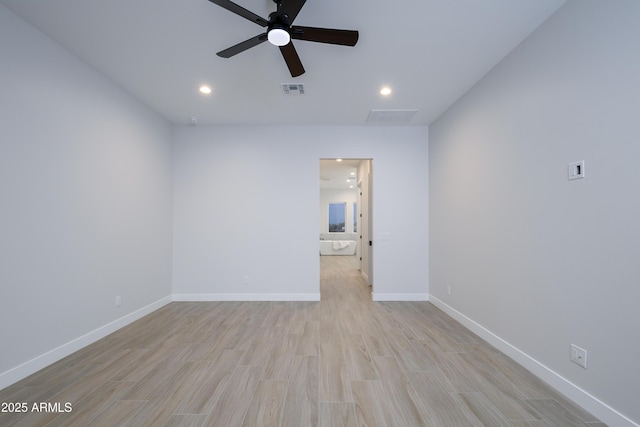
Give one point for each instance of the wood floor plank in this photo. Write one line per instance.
(427, 354)
(440, 341)
(381, 317)
(301, 404)
(91, 404)
(205, 393)
(492, 373)
(309, 340)
(375, 340)
(337, 414)
(482, 409)
(399, 392)
(349, 322)
(185, 420)
(529, 423)
(334, 379)
(259, 350)
(461, 382)
(358, 360)
(180, 386)
(278, 365)
(442, 409)
(153, 413)
(215, 344)
(330, 332)
(370, 404)
(409, 320)
(234, 401)
(301, 313)
(266, 407)
(51, 374)
(404, 351)
(160, 375)
(556, 414)
(30, 419)
(137, 358)
(119, 413)
(146, 360)
(276, 316)
(489, 381)
(243, 338)
(426, 383)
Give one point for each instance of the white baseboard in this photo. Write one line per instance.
(599, 409)
(247, 297)
(378, 296)
(19, 372)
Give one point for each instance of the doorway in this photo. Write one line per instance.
(346, 251)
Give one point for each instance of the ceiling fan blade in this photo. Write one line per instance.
(291, 8)
(239, 10)
(292, 59)
(325, 35)
(241, 47)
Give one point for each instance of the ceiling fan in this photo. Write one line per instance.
(280, 31)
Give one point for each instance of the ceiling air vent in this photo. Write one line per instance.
(390, 117)
(293, 89)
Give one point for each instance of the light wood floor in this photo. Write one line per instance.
(345, 361)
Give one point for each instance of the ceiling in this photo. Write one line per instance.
(429, 52)
(339, 175)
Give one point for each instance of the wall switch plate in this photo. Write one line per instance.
(448, 290)
(118, 300)
(576, 170)
(578, 355)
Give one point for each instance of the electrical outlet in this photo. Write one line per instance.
(578, 355)
(245, 280)
(448, 290)
(118, 300)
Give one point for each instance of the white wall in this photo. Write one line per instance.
(532, 258)
(246, 204)
(85, 195)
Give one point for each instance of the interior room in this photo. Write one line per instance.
(163, 212)
(345, 214)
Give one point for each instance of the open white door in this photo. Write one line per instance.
(365, 226)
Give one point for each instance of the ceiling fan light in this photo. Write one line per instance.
(279, 37)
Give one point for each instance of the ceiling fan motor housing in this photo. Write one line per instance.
(280, 31)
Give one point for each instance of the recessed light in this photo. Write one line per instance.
(352, 174)
(338, 160)
(205, 89)
(385, 91)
